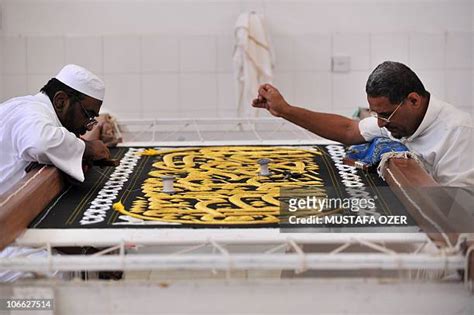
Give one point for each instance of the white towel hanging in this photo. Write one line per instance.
(253, 60)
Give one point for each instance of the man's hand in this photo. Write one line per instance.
(271, 99)
(95, 150)
(329, 126)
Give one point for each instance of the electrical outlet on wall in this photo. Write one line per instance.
(341, 64)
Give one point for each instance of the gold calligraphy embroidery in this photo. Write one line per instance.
(222, 185)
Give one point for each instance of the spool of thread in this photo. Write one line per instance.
(168, 184)
(264, 171)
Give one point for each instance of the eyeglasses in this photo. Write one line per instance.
(91, 121)
(387, 120)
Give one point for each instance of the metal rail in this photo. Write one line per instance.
(283, 255)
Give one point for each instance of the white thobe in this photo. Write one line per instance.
(444, 142)
(30, 131)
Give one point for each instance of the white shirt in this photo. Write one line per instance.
(30, 131)
(444, 141)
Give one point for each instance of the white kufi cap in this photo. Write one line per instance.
(82, 80)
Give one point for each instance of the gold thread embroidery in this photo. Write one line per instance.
(222, 185)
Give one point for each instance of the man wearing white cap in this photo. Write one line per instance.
(45, 128)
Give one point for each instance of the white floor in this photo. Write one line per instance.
(342, 296)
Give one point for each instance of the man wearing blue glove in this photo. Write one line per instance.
(438, 133)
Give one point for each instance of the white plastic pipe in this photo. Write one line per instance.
(236, 262)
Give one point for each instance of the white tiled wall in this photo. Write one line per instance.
(44, 54)
(357, 46)
(123, 95)
(122, 54)
(160, 94)
(14, 55)
(92, 57)
(159, 54)
(349, 91)
(389, 46)
(311, 53)
(163, 58)
(427, 51)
